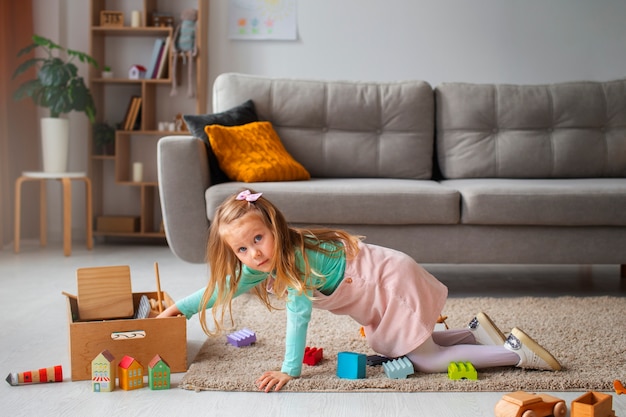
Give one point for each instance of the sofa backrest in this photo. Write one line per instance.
(564, 130)
(343, 129)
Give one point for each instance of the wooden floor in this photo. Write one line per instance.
(34, 329)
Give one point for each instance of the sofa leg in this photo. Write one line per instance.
(622, 271)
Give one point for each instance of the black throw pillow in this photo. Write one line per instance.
(240, 115)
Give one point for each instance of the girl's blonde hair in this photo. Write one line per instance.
(226, 268)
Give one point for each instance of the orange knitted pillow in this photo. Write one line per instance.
(253, 153)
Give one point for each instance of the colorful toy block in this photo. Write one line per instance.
(103, 372)
(351, 365)
(240, 338)
(158, 374)
(593, 404)
(375, 360)
(619, 388)
(462, 370)
(130, 374)
(313, 355)
(398, 368)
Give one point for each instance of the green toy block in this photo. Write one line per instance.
(462, 370)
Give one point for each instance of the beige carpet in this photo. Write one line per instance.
(587, 335)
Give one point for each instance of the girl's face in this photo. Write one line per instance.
(251, 240)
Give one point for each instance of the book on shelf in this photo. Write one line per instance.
(163, 62)
(129, 112)
(157, 50)
(135, 118)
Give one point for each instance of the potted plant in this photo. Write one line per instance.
(104, 138)
(107, 72)
(59, 88)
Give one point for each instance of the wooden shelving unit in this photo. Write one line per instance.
(111, 175)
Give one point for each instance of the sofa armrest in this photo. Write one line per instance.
(183, 175)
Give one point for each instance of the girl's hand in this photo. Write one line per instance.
(271, 379)
(171, 311)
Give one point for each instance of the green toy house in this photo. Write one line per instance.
(158, 374)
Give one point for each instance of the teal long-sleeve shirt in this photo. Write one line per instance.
(328, 274)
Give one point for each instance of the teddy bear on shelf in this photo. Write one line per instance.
(184, 46)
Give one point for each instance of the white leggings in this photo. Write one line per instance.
(443, 347)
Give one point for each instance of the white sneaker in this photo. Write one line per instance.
(532, 355)
(485, 331)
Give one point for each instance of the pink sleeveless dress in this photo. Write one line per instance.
(394, 298)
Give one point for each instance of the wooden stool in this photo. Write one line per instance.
(66, 180)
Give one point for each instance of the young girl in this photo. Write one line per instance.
(251, 247)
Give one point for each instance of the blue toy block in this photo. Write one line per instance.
(351, 365)
(241, 338)
(398, 368)
(462, 370)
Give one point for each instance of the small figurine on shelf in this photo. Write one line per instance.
(137, 72)
(184, 46)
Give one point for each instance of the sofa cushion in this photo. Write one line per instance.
(559, 202)
(253, 152)
(340, 129)
(352, 201)
(566, 130)
(238, 115)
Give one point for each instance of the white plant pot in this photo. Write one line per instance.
(55, 144)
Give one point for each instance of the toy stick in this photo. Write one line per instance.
(158, 281)
(72, 296)
(39, 376)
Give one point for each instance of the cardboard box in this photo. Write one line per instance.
(139, 338)
(117, 224)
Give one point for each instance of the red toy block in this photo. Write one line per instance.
(313, 355)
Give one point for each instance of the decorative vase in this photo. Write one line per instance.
(55, 143)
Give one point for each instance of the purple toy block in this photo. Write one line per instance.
(243, 337)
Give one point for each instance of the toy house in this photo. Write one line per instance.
(137, 72)
(130, 374)
(158, 374)
(103, 372)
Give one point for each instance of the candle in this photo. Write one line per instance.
(137, 172)
(135, 19)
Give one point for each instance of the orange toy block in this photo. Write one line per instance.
(593, 404)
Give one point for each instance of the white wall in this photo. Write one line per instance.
(530, 41)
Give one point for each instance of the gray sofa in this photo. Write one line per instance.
(462, 173)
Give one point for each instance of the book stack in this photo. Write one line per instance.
(158, 61)
(132, 113)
